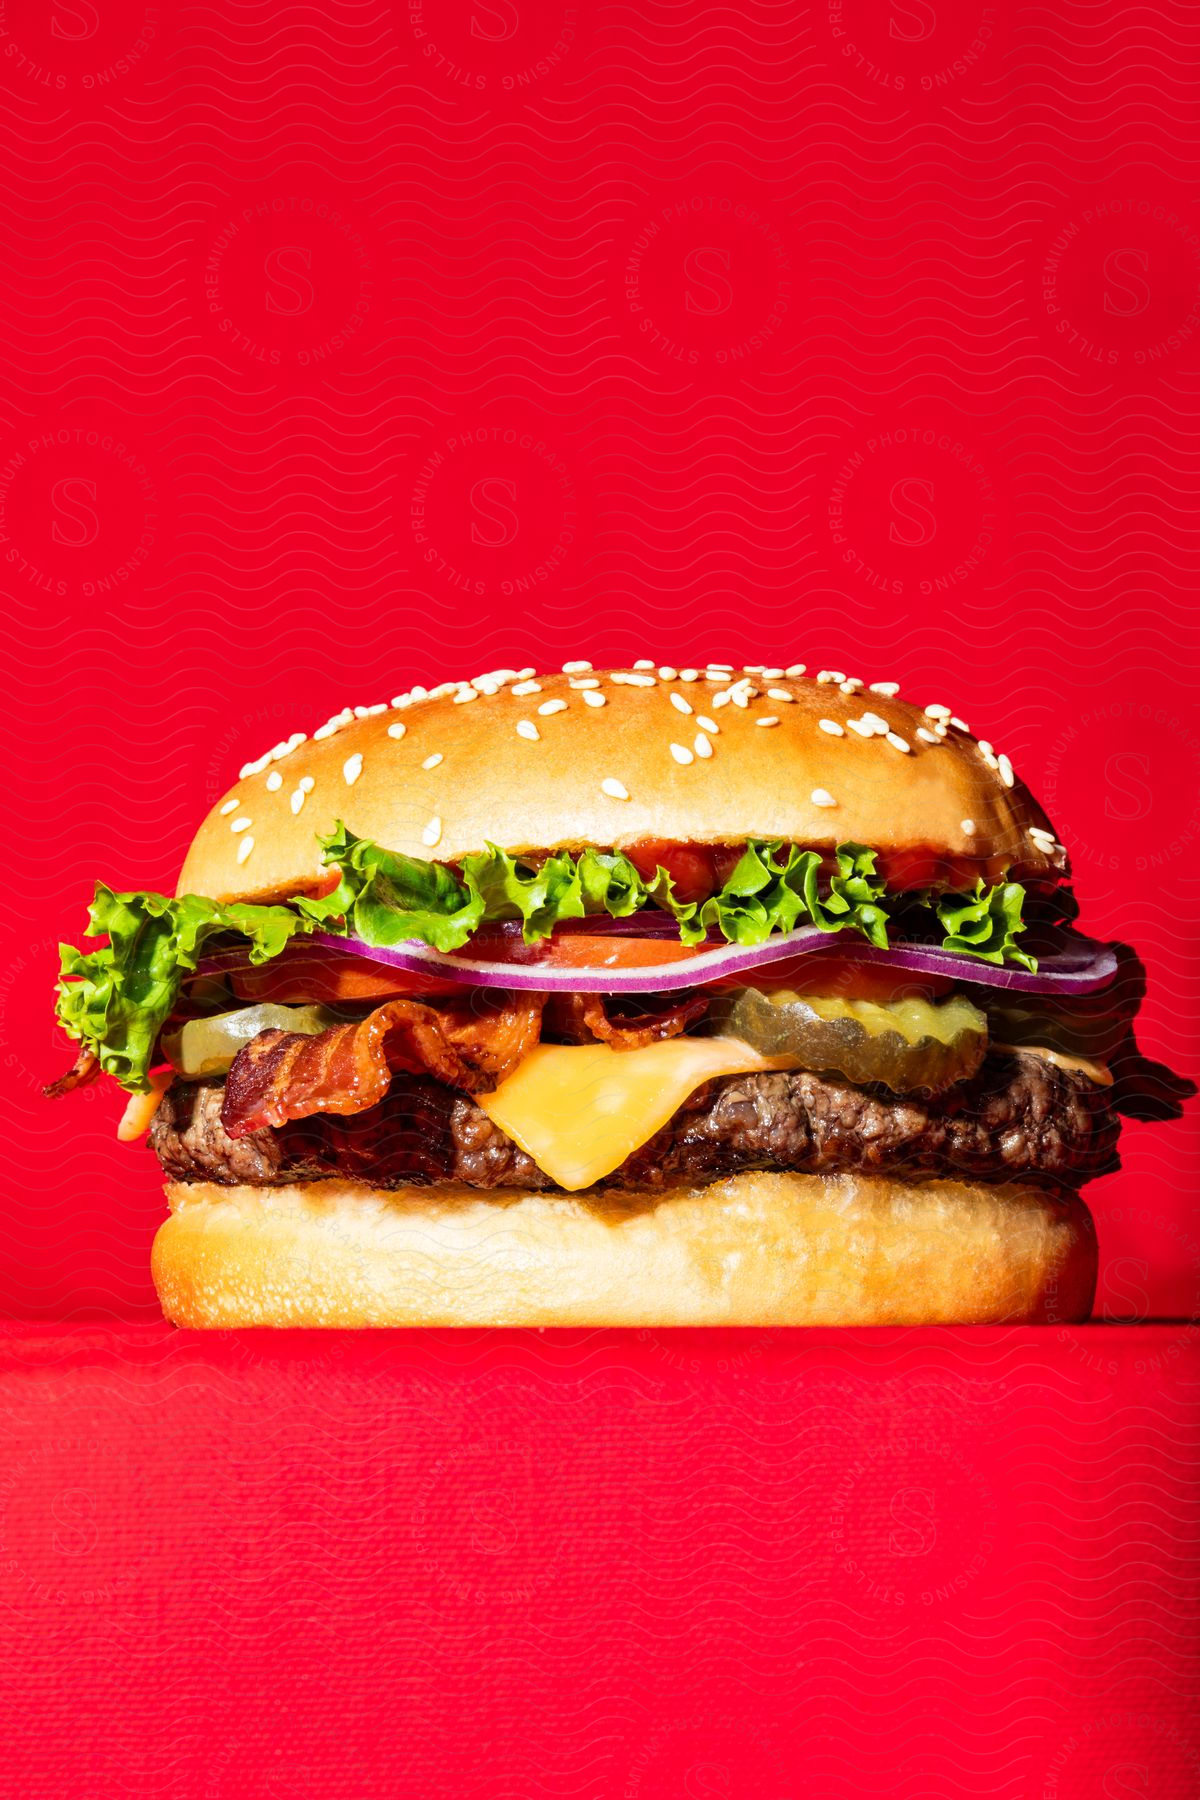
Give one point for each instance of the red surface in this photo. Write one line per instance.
(522, 1566)
(357, 344)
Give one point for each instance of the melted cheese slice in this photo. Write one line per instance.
(1098, 1072)
(579, 1111)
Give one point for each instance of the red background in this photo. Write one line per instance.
(367, 343)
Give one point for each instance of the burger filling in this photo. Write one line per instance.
(1020, 1115)
(407, 1022)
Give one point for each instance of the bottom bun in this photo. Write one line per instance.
(756, 1249)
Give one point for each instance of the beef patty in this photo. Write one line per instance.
(1020, 1115)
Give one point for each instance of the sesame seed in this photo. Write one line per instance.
(822, 797)
(707, 724)
(615, 790)
(968, 828)
(431, 762)
(689, 674)
(702, 745)
(400, 701)
(487, 684)
(432, 833)
(960, 725)
(244, 848)
(741, 693)
(274, 781)
(773, 675)
(861, 727)
(879, 726)
(306, 784)
(335, 724)
(576, 668)
(889, 689)
(727, 667)
(680, 704)
(549, 707)
(588, 681)
(643, 662)
(681, 753)
(717, 675)
(230, 806)
(831, 675)
(937, 712)
(795, 668)
(297, 800)
(926, 737)
(722, 697)
(898, 743)
(524, 674)
(442, 689)
(771, 719)
(780, 694)
(831, 726)
(753, 668)
(527, 687)
(667, 673)
(360, 712)
(624, 679)
(398, 729)
(1006, 770)
(465, 694)
(593, 700)
(242, 824)
(352, 769)
(527, 729)
(985, 748)
(851, 685)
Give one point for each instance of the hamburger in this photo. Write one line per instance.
(640, 997)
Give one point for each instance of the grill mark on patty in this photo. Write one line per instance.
(1019, 1115)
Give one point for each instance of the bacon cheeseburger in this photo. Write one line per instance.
(639, 997)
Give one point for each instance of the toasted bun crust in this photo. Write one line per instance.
(546, 793)
(756, 1249)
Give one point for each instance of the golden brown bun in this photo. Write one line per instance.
(494, 784)
(755, 1249)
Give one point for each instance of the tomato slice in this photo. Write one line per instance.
(305, 972)
(692, 867)
(579, 952)
(309, 972)
(834, 972)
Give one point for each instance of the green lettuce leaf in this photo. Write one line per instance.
(985, 924)
(771, 889)
(563, 886)
(384, 897)
(117, 998)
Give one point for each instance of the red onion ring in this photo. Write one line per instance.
(1081, 967)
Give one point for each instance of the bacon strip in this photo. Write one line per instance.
(580, 1018)
(85, 1068)
(282, 1075)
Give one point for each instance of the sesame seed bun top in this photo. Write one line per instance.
(608, 758)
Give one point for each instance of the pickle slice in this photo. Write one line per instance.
(905, 1044)
(208, 1046)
